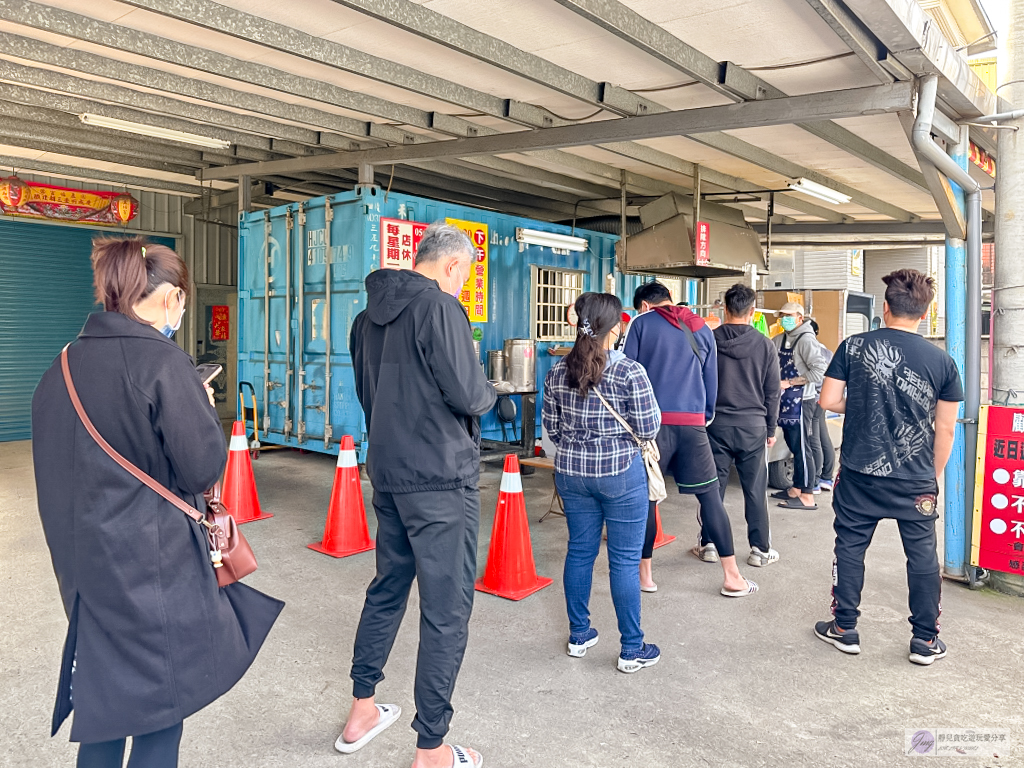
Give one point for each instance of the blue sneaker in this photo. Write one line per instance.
(633, 661)
(578, 644)
(826, 485)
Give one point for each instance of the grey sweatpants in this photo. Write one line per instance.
(430, 536)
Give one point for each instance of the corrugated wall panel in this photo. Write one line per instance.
(45, 295)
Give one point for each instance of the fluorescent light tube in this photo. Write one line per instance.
(153, 131)
(819, 191)
(551, 240)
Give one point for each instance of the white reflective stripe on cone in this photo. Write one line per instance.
(347, 459)
(511, 482)
(238, 443)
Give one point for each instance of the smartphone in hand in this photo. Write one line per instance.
(208, 372)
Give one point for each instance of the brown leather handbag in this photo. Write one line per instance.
(230, 553)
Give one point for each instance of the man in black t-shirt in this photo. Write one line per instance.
(901, 401)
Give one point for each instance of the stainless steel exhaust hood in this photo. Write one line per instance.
(665, 245)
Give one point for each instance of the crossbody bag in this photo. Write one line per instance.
(230, 553)
(648, 450)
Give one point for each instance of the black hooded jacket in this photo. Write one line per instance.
(748, 378)
(420, 384)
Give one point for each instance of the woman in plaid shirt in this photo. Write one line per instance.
(600, 474)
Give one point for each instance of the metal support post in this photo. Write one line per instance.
(622, 216)
(328, 290)
(300, 348)
(288, 369)
(244, 194)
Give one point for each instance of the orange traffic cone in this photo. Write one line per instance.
(660, 539)
(239, 495)
(510, 571)
(345, 532)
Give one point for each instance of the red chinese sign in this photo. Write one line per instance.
(982, 159)
(220, 325)
(702, 244)
(44, 201)
(998, 539)
(399, 240)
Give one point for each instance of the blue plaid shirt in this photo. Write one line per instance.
(590, 442)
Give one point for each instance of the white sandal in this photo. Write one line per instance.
(389, 713)
(750, 589)
(462, 759)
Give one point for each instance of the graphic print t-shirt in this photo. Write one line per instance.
(893, 380)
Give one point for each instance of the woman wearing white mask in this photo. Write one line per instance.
(151, 638)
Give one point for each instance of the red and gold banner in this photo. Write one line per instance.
(982, 159)
(43, 201)
(220, 323)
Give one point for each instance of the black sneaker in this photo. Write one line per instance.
(633, 661)
(846, 640)
(925, 652)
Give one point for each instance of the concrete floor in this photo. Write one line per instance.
(741, 682)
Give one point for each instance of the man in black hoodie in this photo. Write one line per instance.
(422, 390)
(746, 414)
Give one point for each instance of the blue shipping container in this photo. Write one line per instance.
(293, 339)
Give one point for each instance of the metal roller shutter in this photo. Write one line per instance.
(45, 295)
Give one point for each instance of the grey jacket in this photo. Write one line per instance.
(807, 356)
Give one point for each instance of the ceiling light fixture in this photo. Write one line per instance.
(819, 191)
(153, 131)
(551, 240)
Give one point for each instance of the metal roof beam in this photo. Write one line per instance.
(857, 37)
(849, 103)
(98, 176)
(90, 63)
(727, 78)
(103, 33)
(213, 120)
(72, 106)
(441, 29)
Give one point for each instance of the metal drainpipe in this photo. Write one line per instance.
(922, 141)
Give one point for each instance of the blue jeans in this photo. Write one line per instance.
(620, 502)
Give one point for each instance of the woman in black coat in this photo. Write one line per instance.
(151, 638)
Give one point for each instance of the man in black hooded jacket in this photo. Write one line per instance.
(746, 414)
(422, 390)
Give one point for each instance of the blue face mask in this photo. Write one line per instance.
(169, 330)
(788, 323)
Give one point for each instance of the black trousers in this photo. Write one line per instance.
(802, 440)
(150, 750)
(860, 502)
(746, 447)
(430, 536)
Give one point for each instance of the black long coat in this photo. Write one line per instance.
(151, 639)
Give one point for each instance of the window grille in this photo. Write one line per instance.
(553, 291)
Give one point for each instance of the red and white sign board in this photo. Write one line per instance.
(702, 244)
(997, 542)
(399, 240)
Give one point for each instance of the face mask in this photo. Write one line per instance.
(169, 330)
(457, 289)
(788, 323)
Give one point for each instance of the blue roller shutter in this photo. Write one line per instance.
(45, 295)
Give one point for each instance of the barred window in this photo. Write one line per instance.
(553, 291)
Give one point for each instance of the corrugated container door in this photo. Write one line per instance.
(45, 295)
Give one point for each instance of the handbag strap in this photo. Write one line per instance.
(137, 473)
(618, 418)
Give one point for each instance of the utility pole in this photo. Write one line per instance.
(1008, 288)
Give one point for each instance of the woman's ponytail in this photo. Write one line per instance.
(598, 314)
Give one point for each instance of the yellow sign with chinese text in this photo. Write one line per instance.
(474, 292)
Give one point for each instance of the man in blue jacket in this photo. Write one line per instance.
(678, 350)
(423, 392)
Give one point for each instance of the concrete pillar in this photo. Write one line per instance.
(1008, 288)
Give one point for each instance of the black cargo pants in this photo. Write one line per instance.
(746, 447)
(430, 536)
